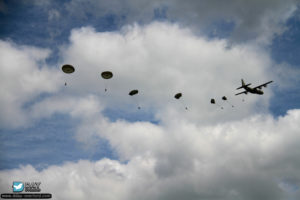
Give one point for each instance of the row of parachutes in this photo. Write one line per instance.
(69, 69)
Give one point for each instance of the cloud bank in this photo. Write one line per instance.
(159, 60)
(201, 153)
(256, 158)
(23, 77)
(246, 20)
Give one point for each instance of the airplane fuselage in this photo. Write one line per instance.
(253, 90)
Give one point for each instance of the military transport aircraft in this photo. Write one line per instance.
(255, 90)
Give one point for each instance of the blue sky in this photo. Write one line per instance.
(199, 48)
(25, 24)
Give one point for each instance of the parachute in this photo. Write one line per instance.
(132, 93)
(212, 101)
(106, 75)
(224, 98)
(178, 96)
(68, 69)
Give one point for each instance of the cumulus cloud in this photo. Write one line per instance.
(23, 77)
(159, 60)
(162, 59)
(202, 153)
(255, 158)
(240, 21)
(258, 20)
(252, 20)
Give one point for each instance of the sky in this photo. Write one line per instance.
(82, 142)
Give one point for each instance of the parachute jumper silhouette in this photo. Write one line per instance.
(224, 98)
(132, 93)
(178, 96)
(212, 101)
(68, 69)
(106, 75)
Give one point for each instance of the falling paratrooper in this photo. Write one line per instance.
(134, 92)
(68, 69)
(106, 75)
(212, 101)
(178, 96)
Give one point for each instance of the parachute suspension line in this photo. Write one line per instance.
(137, 102)
(230, 104)
(183, 104)
(105, 87)
(220, 106)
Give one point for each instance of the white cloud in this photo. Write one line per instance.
(159, 60)
(256, 158)
(162, 59)
(254, 20)
(258, 20)
(23, 77)
(202, 153)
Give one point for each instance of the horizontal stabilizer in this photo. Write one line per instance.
(245, 92)
(243, 86)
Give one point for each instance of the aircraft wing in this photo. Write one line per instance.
(263, 85)
(243, 86)
(245, 92)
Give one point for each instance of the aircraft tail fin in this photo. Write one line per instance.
(243, 84)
